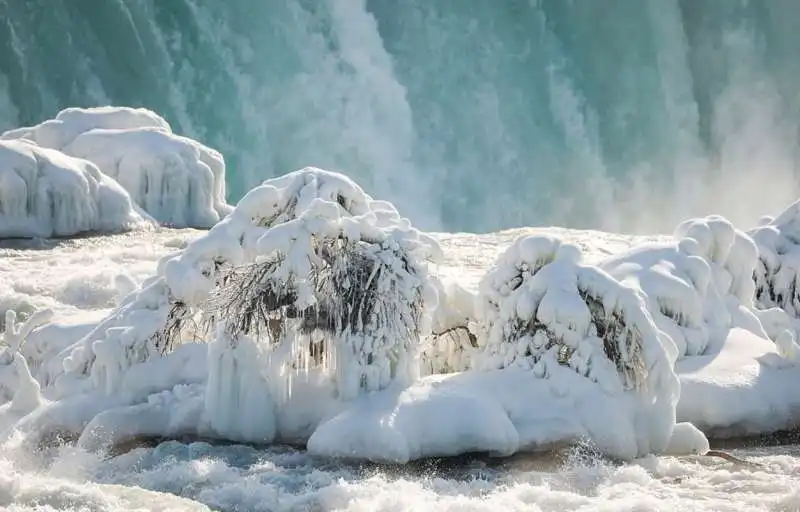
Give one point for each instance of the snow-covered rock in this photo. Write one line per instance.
(541, 310)
(44, 193)
(698, 287)
(177, 180)
(356, 300)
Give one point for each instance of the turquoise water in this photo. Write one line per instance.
(470, 115)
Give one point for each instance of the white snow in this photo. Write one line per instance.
(177, 180)
(526, 340)
(44, 193)
(742, 387)
(616, 369)
(57, 133)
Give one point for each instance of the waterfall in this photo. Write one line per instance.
(625, 115)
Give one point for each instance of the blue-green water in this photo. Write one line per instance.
(468, 114)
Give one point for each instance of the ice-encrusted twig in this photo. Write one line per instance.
(17, 376)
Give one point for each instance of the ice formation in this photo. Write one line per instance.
(71, 122)
(177, 180)
(452, 344)
(342, 275)
(310, 313)
(699, 287)
(541, 307)
(44, 193)
(777, 273)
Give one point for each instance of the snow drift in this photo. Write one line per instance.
(44, 193)
(713, 293)
(177, 180)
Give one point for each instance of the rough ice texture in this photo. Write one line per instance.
(301, 317)
(177, 180)
(44, 193)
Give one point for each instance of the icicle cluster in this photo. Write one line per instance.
(541, 307)
(452, 344)
(176, 180)
(44, 193)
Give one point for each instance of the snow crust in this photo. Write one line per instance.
(176, 180)
(57, 133)
(44, 193)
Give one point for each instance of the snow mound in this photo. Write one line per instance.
(44, 193)
(177, 180)
(746, 387)
(697, 288)
(342, 276)
(71, 122)
(540, 307)
(542, 311)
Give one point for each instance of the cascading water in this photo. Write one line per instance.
(623, 114)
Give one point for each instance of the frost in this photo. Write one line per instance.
(541, 310)
(338, 278)
(541, 306)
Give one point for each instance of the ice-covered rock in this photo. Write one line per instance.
(44, 193)
(177, 180)
(345, 275)
(541, 310)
